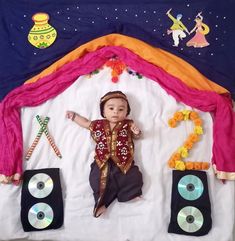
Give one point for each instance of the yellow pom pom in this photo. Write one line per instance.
(179, 165)
(186, 114)
(183, 151)
(198, 130)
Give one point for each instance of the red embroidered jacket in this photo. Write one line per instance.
(116, 144)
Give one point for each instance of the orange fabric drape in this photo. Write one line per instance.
(165, 60)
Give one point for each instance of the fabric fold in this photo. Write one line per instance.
(163, 59)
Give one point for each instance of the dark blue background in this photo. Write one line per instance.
(80, 21)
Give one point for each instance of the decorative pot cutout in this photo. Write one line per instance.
(42, 34)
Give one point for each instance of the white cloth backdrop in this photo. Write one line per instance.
(143, 220)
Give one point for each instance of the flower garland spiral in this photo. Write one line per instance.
(175, 160)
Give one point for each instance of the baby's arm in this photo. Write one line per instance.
(80, 120)
(135, 130)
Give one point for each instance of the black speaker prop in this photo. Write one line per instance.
(190, 204)
(41, 200)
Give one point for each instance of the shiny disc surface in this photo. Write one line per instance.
(190, 219)
(40, 215)
(40, 185)
(190, 187)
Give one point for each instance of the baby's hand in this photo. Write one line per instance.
(70, 115)
(135, 129)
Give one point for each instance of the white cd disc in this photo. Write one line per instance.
(40, 215)
(190, 219)
(40, 185)
(190, 187)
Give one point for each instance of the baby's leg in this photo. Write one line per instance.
(109, 194)
(130, 185)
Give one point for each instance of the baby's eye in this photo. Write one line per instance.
(111, 108)
(121, 109)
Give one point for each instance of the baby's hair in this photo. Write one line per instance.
(111, 95)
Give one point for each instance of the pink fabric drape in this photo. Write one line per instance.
(48, 87)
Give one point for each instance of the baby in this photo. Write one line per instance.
(113, 173)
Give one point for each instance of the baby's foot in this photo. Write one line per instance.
(100, 211)
(135, 199)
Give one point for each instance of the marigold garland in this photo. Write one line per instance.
(117, 67)
(176, 161)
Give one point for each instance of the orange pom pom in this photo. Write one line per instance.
(193, 115)
(171, 163)
(172, 123)
(205, 165)
(178, 116)
(193, 138)
(197, 122)
(176, 157)
(188, 145)
(189, 165)
(197, 165)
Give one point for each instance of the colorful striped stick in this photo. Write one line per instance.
(36, 140)
(55, 148)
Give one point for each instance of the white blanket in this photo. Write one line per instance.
(144, 220)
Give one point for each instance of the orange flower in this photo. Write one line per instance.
(117, 67)
(172, 123)
(171, 163)
(115, 64)
(197, 165)
(193, 115)
(188, 145)
(176, 156)
(205, 165)
(189, 165)
(193, 138)
(178, 116)
(197, 122)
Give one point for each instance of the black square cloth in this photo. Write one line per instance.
(190, 204)
(41, 200)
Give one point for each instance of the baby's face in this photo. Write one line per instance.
(115, 110)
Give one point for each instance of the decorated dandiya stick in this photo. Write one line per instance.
(53, 145)
(36, 140)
